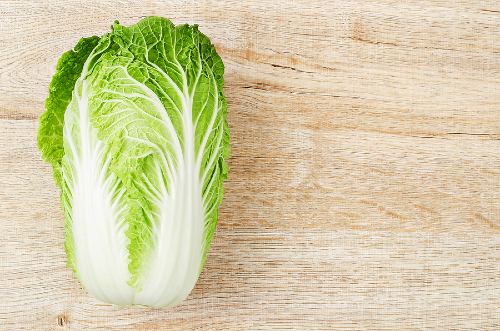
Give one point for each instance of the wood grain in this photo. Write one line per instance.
(365, 185)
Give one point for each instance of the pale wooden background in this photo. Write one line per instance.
(365, 171)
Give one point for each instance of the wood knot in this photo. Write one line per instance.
(62, 320)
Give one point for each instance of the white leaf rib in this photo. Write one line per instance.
(208, 187)
(200, 113)
(215, 155)
(200, 67)
(210, 126)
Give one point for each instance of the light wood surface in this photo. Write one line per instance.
(364, 190)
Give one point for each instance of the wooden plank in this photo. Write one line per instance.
(364, 190)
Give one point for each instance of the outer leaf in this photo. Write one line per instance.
(94, 199)
(68, 70)
(50, 134)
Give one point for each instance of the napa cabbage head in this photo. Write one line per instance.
(135, 129)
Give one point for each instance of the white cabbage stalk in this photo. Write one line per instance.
(135, 128)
